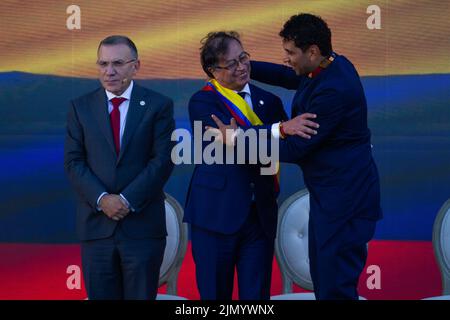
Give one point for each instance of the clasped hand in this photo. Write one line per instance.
(114, 206)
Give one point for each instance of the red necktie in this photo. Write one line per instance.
(115, 121)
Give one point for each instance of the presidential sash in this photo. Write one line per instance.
(240, 110)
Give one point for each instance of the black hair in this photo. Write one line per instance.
(305, 30)
(213, 46)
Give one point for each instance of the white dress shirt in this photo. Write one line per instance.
(248, 99)
(123, 108)
(248, 96)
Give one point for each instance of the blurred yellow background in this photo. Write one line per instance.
(413, 39)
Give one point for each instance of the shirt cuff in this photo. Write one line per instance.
(98, 200)
(276, 130)
(127, 203)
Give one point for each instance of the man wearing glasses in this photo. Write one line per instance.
(338, 166)
(117, 157)
(231, 208)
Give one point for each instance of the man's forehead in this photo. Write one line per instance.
(232, 54)
(289, 44)
(114, 51)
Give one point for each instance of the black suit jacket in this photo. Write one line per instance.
(139, 172)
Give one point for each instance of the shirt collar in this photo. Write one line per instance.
(246, 89)
(323, 65)
(126, 94)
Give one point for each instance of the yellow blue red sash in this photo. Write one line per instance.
(237, 106)
(240, 110)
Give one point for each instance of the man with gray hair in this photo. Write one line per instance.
(117, 157)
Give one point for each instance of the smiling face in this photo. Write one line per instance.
(233, 69)
(303, 62)
(117, 67)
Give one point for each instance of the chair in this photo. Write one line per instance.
(176, 244)
(441, 245)
(291, 247)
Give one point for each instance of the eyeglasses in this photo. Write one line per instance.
(115, 64)
(244, 58)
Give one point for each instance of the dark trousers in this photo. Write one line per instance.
(217, 255)
(335, 266)
(120, 267)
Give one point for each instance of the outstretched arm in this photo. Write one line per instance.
(275, 75)
(329, 109)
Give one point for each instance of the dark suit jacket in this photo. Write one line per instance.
(220, 195)
(337, 163)
(139, 172)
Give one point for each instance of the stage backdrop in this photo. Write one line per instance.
(48, 53)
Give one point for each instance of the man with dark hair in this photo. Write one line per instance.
(232, 208)
(337, 163)
(305, 30)
(117, 157)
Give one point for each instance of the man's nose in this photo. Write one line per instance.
(240, 65)
(110, 71)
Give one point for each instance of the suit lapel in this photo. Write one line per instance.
(258, 104)
(99, 105)
(139, 103)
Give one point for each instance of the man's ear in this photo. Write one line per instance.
(137, 65)
(314, 51)
(212, 70)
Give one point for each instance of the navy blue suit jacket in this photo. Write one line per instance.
(337, 163)
(220, 195)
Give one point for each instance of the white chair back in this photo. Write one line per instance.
(441, 244)
(176, 244)
(291, 247)
(291, 244)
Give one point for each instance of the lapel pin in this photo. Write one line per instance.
(142, 103)
(261, 102)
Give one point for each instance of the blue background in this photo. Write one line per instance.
(409, 117)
